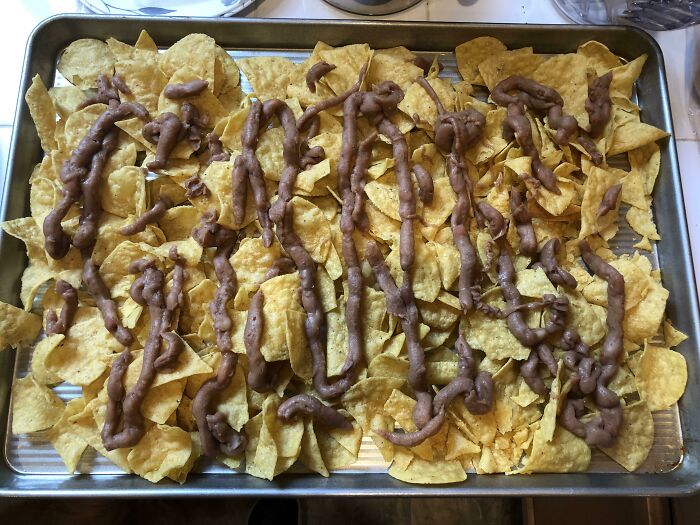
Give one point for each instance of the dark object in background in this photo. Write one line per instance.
(373, 7)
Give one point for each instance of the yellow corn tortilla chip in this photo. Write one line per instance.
(34, 406)
(197, 51)
(17, 327)
(564, 453)
(385, 365)
(69, 445)
(162, 450)
(400, 407)
(295, 337)
(444, 198)
(633, 189)
(124, 193)
(339, 448)
(141, 72)
(367, 397)
(348, 61)
(84, 60)
(337, 341)
(641, 221)
(636, 437)
(43, 374)
(268, 76)
(672, 335)
(425, 277)
(492, 335)
(471, 53)
(207, 104)
(310, 454)
(313, 228)
(260, 442)
(430, 472)
(80, 357)
(66, 99)
(643, 321)
(417, 102)
(626, 75)
(598, 182)
(491, 141)
(533, 282)
(637, 284)
(458, 445)
(502, 65)
(252, 260)
(567, 74)
(646, 160)
(85, 426)
(43, 113)
(632, 135)
(598, 57)
(387, 67)
(661, 377)
(280, 294)
(584, 319)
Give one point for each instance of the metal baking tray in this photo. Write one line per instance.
(30, 467)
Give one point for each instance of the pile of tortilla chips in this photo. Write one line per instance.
(520, 434)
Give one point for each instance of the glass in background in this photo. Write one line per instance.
(654, 15)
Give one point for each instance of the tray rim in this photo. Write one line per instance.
(679, 481)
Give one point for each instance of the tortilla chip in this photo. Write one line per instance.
(43, 113)
(471, 53)
(661, 377)
(17, 327)
(268, 76)
(672, 335)
(34, 406)
(84, 60)
(69, 445)
(636, 437)
(430, 472)
(162, 450)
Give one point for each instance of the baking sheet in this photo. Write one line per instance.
(31, 456)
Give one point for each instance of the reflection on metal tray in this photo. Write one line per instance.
(34, 468)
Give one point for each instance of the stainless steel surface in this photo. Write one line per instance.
(373, 7)
(32, 467)
(653, 15)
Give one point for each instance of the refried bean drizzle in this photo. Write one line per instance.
(261, 374)
(217, 436)
(533, 338)
(555, 273)
(598, 104)
(186, 89)
(81, 176)
(316, 72)
(86, 162)
(594, 377)
(146, 290)
(308, 405)
(106, 92)
(150, 216)
(247, 169)
(217, 153)
(168, 129)
(523, 223)
(59, 324)
(454, 133)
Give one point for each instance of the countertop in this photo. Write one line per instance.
(20, 17)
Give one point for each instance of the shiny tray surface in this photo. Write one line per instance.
(31, 460)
